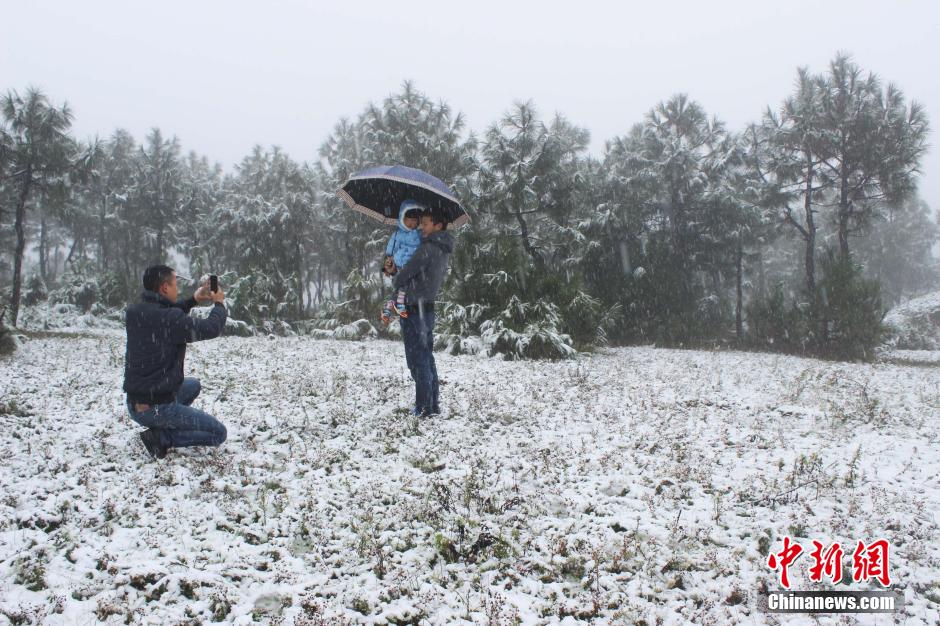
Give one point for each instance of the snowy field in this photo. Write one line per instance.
(636, 485)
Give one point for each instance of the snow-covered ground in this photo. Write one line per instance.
(631, 486)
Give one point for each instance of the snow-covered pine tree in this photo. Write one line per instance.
(870, 144)
(158, 190)
(255, 237)
(664, 180)
(38, 150)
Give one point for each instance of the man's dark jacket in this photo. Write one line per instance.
(423, 274)
(157, 333)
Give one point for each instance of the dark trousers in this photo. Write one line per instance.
(180, 425)
(417, 331)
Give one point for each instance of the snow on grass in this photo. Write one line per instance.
(637, 485)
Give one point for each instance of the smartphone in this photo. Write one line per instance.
(213, 283)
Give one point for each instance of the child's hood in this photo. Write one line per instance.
(408, 206)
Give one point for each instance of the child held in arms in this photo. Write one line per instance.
(401, 246)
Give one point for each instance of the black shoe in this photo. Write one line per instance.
(152, 442)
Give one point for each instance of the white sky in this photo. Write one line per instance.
(223, 76)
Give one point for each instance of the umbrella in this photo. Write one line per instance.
(379, 191)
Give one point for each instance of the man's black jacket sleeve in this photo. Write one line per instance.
(186, 305)
(186, 329)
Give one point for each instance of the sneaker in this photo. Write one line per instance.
(401, 311)
(388, 311)
(152, 443)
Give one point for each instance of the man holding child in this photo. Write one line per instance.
(421, 279)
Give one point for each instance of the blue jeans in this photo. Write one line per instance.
(178, 424)
(417, 331)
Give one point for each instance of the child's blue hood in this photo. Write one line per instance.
(407, 207)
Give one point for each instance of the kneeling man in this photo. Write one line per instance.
(158, 396)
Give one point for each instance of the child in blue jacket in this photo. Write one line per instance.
(401, 246)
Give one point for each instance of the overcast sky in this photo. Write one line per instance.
(223, 76)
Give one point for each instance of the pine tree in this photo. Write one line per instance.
(669, 171)
(39, 151)
(158, 192)
(529, 181)
(795, 168)
(870, 144)
(257, 232)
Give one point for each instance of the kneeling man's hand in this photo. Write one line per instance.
(203, 295)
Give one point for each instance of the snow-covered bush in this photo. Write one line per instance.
(8, 343)
(457, 327)
(522, 330)
(34, 291)
(528, 331)
(915, 325)
(77, 287)
(276, 327)
(588, 321)
(49, 316)
(354, 331)
(237, 328)
(257, 297)
(363, 297)
(773, 323)
(84, 286)
(356, 315)
(843, 321)
(850, 307)
(535, 341)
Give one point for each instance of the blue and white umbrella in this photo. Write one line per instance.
(379, 191)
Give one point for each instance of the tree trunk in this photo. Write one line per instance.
(738, 266)
(72, 250)
(810, 237)
(529, 248)
(843, 233)
(20, 245)
(159, 256)
(845, 208)
(43, 248)
(301, 283)
(102, 240)
(625, 264)
(761, 278)
(319, 284)
(56, 261)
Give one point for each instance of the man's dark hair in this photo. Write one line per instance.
(437, 217)
(156, 275)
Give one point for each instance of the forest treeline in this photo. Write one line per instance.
(793, 234)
